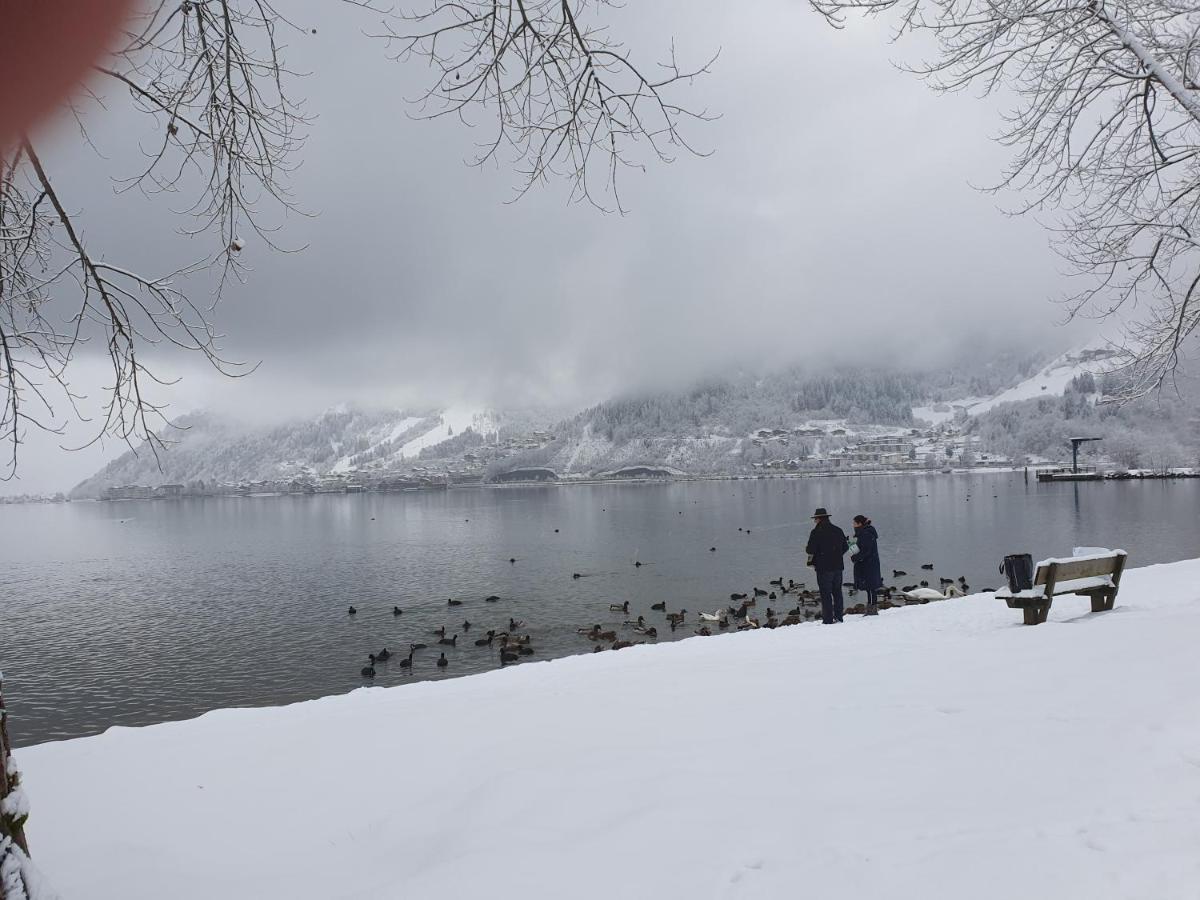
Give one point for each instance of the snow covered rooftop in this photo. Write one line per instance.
(940, 751)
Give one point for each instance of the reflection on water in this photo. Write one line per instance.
(140, 612)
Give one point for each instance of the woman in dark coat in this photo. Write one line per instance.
(867, 576)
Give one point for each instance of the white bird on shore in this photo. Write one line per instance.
(925, 594)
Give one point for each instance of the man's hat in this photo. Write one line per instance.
(821, 513)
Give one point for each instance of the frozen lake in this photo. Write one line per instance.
(139, 612)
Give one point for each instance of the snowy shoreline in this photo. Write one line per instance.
(941, 751)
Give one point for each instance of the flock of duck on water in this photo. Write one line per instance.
(513, 645)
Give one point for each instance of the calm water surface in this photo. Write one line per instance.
(140, 612)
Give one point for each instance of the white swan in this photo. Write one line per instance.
(925, 594)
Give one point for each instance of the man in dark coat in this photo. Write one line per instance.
(827, 545)
(867, 576)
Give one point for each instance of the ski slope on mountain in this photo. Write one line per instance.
(453, 421)
(940, 751)
(1050, 381)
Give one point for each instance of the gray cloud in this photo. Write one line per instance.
(835, 218)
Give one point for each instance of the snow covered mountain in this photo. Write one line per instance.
(789, 419)
(208, 447)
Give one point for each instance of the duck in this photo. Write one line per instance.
(659, 607)
(704, 631)
(525, 650)
(412, 647)
(648, 632)
(491, 598)
(621, 645)
(440, 631)
(406, 663)
(638, 564)
(466, 625)
(640, 623)
(512, 560)
(736, 597)
(778, 582)
(898, 573)
(487, 641)
(712, 549)
(449, 641)
(619, 607)
(507, 657)
(771, 596)
(397, 611)
(712, 617)
(677, 618)
(514, 624)
(759, 592)
(383, 655)
(352, 612)
(442, 662)
(368, 672)
(454, 603)
(576, 575)
(927, 566)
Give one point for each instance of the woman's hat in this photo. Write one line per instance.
(821, 513)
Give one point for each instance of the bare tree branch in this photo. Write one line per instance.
(565, 98)
(1106, 143)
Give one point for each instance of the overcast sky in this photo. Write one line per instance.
(834, 220)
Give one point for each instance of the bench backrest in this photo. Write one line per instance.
(1068, 570)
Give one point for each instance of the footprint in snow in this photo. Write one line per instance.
(745, 869)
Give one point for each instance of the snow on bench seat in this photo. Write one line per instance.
(1073, 586)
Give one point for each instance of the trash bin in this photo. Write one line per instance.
(1018, 569)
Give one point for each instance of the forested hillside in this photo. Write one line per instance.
(1157, 432)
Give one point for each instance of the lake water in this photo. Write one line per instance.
(140, 612)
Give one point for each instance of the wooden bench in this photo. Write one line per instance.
(1097, 576)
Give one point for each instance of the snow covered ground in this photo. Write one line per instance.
(940, 751)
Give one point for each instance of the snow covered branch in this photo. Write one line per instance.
(1105, 133)
(19, 880)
